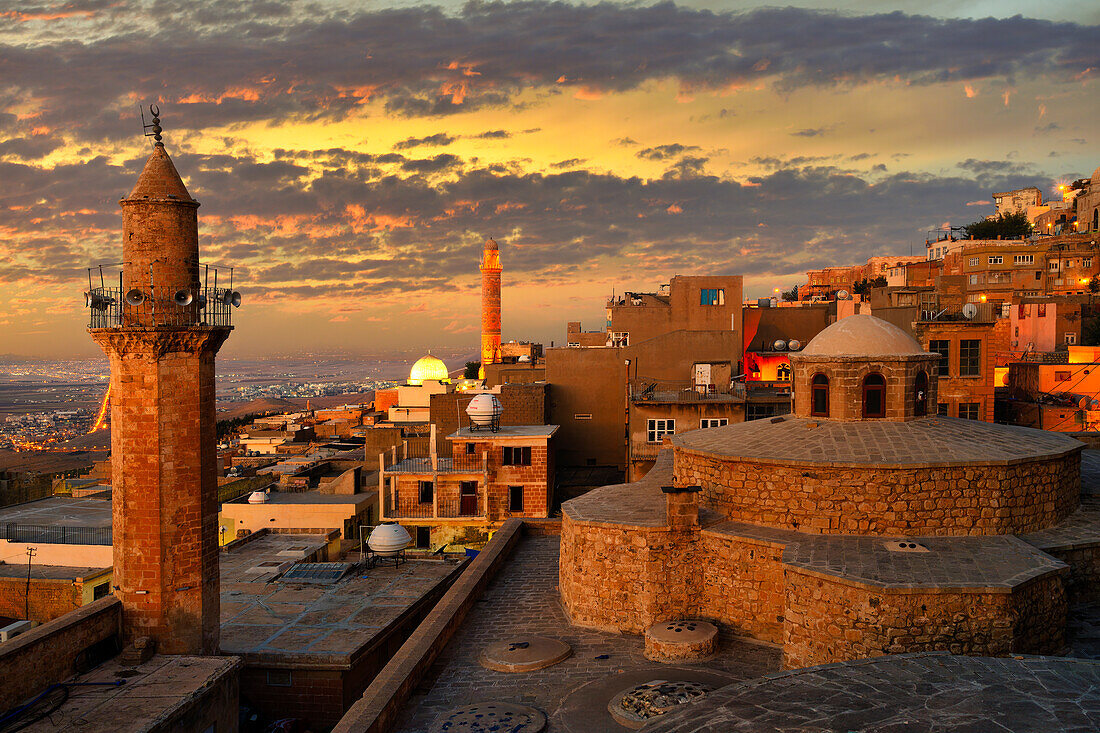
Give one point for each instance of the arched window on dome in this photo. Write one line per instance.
(819, 396)
(920, 394)
(874, 395)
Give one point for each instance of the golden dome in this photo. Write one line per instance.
(428, 368)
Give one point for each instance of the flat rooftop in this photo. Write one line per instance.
(907, 692)
(161, 690)
(59, 511)
(505, 431)
(264, 618)
(522, 600)
(930, 441)
(311, 497)
(48, 572)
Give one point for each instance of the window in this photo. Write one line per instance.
(760, 410)
(713, 422)
(1023, 259)
(516, 455)
(973, 279)
(970, 357)
(973, 261)
(101, 590)
(783, 373)
(620, 338)
(427, 489)
(1071, 338)
(968, 410)
(819, 396)
(712, 296)
(582, 416)
(941, 409)
(1054, 264)
(1061, 376)
(280, 678)
(920, 395)
(943, 348)
(423, 538)
(996, 260)
(515, 498)
(874, 395)
(470, 449)
(1087, 262)
(656, 430)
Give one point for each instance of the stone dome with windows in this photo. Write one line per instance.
(863, 368)
(862, 524)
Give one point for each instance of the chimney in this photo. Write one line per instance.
(682, 507)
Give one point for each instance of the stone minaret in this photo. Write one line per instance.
(490, 304)
(161, 348)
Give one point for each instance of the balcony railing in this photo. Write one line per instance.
(423, 464)
(154, 304)
(653, 390)
(443, 507)
(984, 313)
(56, 535)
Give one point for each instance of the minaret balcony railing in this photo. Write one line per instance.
(147, 305)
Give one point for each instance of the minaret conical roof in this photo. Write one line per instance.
(159, 179)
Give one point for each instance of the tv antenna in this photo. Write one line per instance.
(154, 126)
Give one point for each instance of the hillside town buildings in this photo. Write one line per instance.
(706, 490)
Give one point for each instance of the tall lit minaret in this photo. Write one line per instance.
(161, 327)
(490, 304)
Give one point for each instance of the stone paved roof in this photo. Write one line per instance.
(1090, 471)
(523, 600)
(995, 563)
(1080, 529)
(931, 692)
(640, 504)
(931, 441)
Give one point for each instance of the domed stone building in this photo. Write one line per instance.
(857, 526)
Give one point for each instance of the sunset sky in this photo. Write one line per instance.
(351, 157)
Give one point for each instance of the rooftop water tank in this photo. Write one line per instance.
(484, 411)
(388, 539)
(257, 497)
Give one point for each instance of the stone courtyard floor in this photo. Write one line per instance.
(523, 600)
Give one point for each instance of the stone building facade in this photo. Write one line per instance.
(842, 534)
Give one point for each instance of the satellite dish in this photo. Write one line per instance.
(780, 345)
(135, 297)
(969, 311)
(201, 301)
(843, 295)
(794, 344)
(183, 297)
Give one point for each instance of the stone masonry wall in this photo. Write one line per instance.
(829, 621)
(49, 598)
(47, 654)
(960, 500)
(743, 586)
(1083, 581)
(602, 573)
